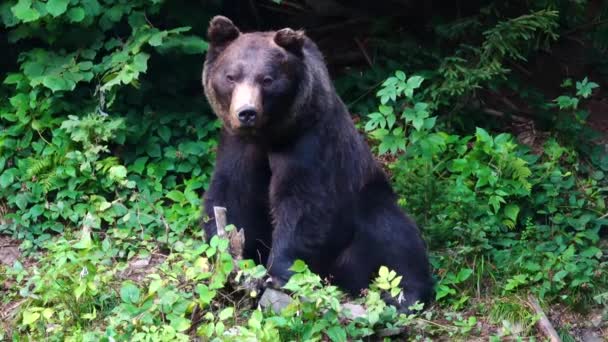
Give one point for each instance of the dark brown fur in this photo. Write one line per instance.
(301, 181)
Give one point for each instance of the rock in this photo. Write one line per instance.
(274, 299)
(591, 336)
(355, 310)
(597, 319)
(9, 254)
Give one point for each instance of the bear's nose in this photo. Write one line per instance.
(247, 116)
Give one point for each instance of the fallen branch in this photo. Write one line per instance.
(220, 220)
(543, 323)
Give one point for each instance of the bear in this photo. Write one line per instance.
(295, 174)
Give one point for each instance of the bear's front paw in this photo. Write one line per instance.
(274, 282)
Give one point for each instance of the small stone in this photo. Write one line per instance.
(591, 336)
(355, 310)
(275, 299)
(597, 320)
(140, 263)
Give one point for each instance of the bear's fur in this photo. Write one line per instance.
(293, 171)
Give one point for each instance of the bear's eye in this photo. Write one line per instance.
(267, 81)
(230, 78)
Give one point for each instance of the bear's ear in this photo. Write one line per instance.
(221, 31)
(290, 40)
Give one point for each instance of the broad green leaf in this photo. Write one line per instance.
(154, 286)
(30, 316)
(153, 150)
(464, 274)
(585, 88)
(23, 11)
(47, 313)
(139, 165)
(205, 294)
(129, 293)
(180, 324)
(118, 172)
(56, 83)
(85, 241)
(386, 110)
(383, 272)
(400, 75)
(157, 38)
(226, 313)
(511, 212)
(298, 266)
(415, 81)
(165, 133)
(337, 334)
(560, 275)
(57, 7)
(255, 321)
(482, 135)
(76, 15)
(176, 196)
(7, 178)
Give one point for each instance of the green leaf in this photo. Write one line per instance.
(139, 165)
(464, 274)
(180, 323)
(400, 75)
(383, 272)
(298, 266)
(336, 334)
(165, 133)
(157, 38)
(226, 313)
(29, 316)
(206, 295)
(585, 88)
(194, 148)
(76, 15)
(7, 178)
(56, 83)
(417, 123)
(23, 11)
(140, 62)
(560, 275)
(567, 102)
(386, 110)
(85, 241)
(118, 172)
(153, 150)
(21, 201)
(511, 212)
(129, 293)
(482, 135)
(36, 210)
(176, 196)
(57, 7)
(154, 286)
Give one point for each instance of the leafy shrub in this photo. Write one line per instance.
(473, 196)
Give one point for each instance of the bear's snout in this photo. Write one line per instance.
(247, 116)
(246, 106)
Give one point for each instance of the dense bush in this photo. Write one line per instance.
(106, 146)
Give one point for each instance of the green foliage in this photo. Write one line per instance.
(78, 145)
(106, 146)
(472, 195)
(472, 67)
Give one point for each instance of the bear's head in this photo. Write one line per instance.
(254, 80)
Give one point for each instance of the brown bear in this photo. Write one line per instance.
(293, 171)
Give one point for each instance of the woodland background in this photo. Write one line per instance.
(491, 118)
